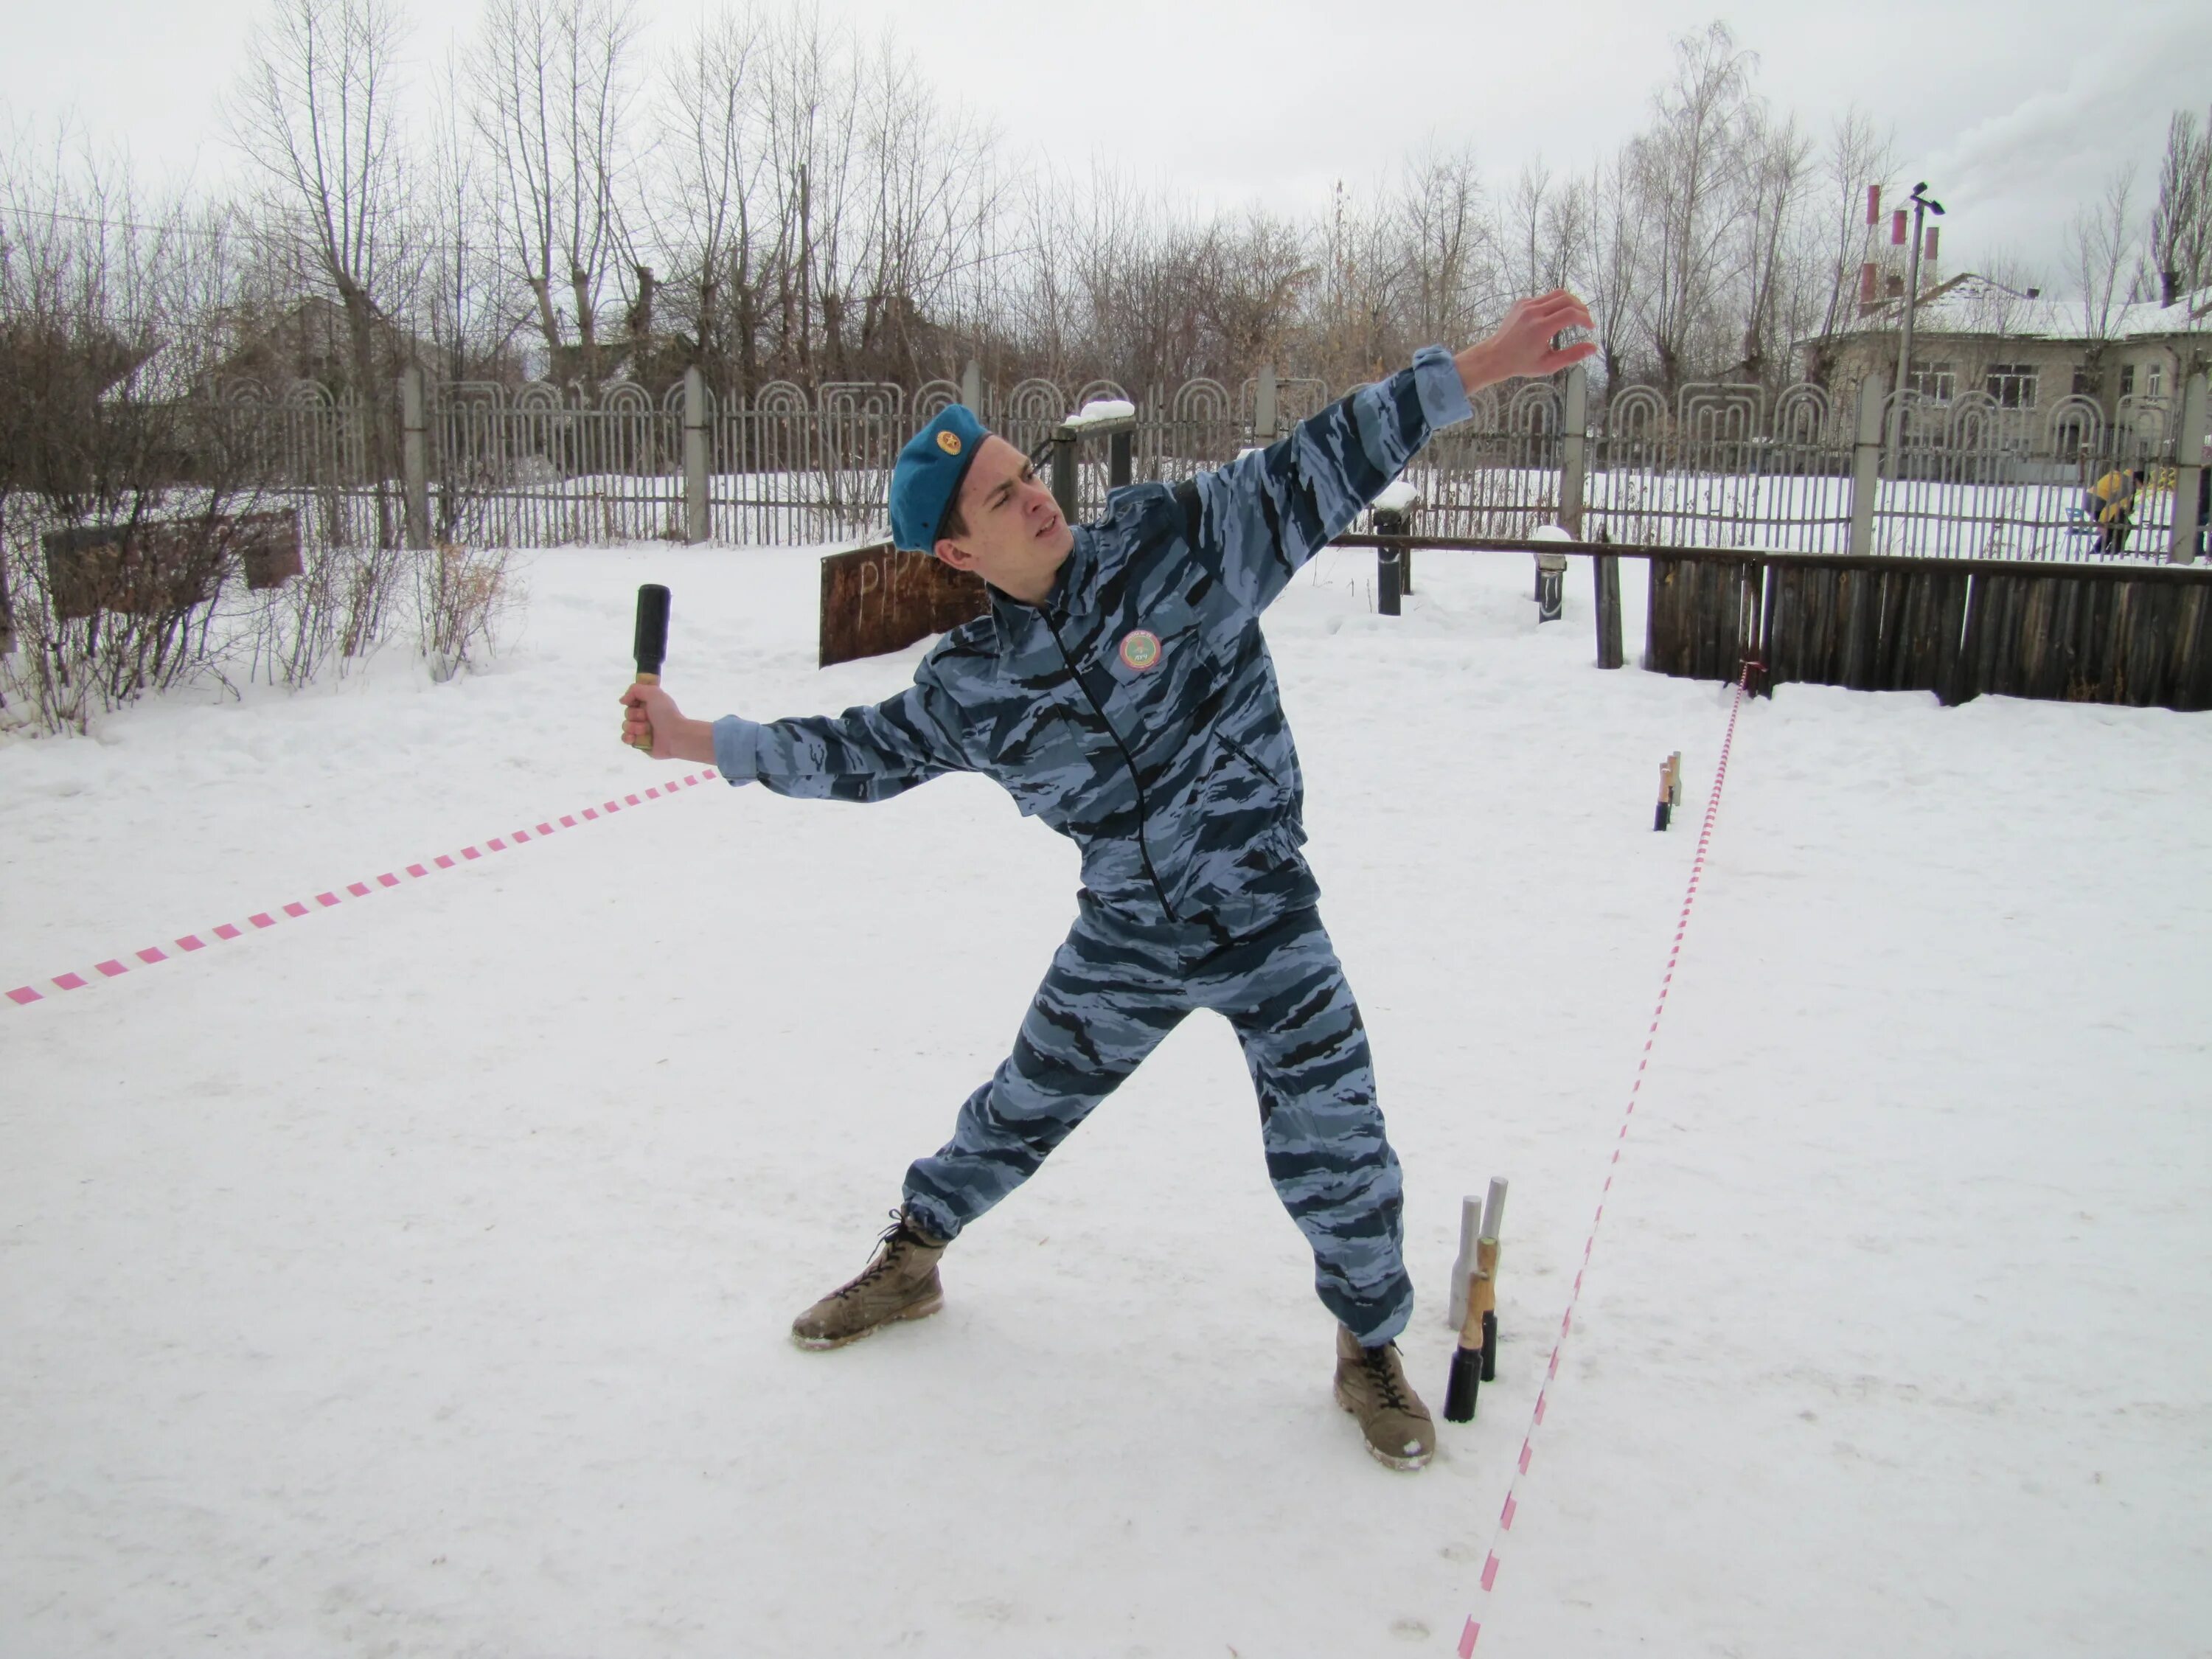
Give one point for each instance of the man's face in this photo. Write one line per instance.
(1017, 538)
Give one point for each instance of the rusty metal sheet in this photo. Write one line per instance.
(877, 599)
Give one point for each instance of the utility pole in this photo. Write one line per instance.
(1922, 205)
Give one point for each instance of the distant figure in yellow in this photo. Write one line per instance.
(2112, 502)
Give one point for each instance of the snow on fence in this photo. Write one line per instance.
(1719, 465)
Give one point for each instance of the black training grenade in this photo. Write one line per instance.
(651, 643)
(651, 648)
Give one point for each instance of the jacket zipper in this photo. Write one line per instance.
(1143, 811)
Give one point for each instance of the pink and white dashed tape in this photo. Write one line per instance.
(1472, 1632)
(115, 967)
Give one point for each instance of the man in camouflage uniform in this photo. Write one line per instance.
(1120, 689)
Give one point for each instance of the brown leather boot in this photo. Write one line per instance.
(899, 1282)
(1371, 1385)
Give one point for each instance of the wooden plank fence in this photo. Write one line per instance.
(2137, 635)
(1958, 627)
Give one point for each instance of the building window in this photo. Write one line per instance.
(2127, 380)
(2154, 380)
(2084, 385)
(2012, 384)
(1936, 382)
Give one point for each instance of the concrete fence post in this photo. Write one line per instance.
(1866, 465)
(2189, 470)
(698, 520)
(1265, 423)
(971, 388)
(1063, 471)
(414, 456)
(1573, 460)
(1574, 490)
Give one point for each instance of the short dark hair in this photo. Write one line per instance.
(952, 524)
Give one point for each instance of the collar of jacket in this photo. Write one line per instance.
(1011, 619)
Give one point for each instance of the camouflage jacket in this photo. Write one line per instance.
(1136, 710)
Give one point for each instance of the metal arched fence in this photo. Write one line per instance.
(1716, 465)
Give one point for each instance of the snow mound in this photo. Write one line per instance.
(1101, 411)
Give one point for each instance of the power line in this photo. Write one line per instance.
(232, 227)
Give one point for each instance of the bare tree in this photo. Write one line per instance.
(2103, 247)
(1566, 234)
(2181, 223)
(713, 152)
(1775, 171)
(459, 207)
(1250, 277)
(1353, 331)
(812, 95)
(1856, 157)
(1446, 249)
(931, 197)
(554, 81)
(1613, 259)
(316, 110)
(1688, 168)
(1524, 225)
(1545, 226)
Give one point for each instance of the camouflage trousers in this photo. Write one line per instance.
(1115, 990)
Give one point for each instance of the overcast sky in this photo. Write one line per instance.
(2015, 111)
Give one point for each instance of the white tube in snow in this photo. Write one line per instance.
(1493, 1208)
(1470, 1228)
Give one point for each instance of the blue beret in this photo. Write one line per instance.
(927, 479)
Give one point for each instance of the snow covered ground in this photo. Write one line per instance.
(412, 1278)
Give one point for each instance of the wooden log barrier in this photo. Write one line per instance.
(877, 599)
(1605, 578)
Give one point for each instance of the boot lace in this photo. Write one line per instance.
(1384, 1376)
(888, 1251)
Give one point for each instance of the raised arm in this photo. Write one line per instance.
(1258, 518)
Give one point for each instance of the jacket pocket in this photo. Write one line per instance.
(1248, 757)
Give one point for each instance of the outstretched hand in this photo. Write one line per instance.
(1523, 342)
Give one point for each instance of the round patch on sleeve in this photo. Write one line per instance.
(1140, 648)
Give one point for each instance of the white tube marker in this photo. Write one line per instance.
(1470, 1227)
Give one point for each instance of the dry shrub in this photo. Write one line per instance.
(462, 595)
